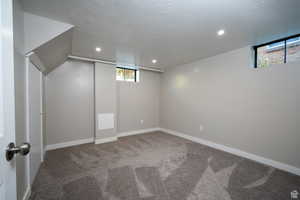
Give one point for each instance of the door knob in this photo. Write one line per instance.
(11, 150)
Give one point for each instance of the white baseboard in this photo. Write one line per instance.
(137, 132)
(259, 159)
(98, 141)
(27, 193)
(69, 144)
(124, 134)
(106, 140)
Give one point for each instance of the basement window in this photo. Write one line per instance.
(277, 52)
(127, 74)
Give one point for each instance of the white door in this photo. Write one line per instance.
(34, 116)
(7, 101)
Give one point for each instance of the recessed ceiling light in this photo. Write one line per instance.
(154, 61)
(221, 32)
(98, 49)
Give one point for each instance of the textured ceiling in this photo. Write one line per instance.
(172, 31)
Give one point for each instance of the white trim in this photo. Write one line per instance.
(98, 141)
(27, 61)
(91, 60)
(27, 193)
(137, 132)
(259, 159)
(35, 60)
(42, 115)
(69, 144)
(155, 69)
(27, 97)
(106, 140)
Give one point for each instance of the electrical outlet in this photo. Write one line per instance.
(142, 121)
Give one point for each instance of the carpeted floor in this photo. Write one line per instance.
(157, 166)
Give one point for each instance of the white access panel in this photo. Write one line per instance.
(105, 121)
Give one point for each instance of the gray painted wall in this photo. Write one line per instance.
(254, 110)
(20, 95)
(105, 96)
(139, 101)
(55, 52)
(70, 102)
(69, 90)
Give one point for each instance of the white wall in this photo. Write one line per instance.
(130, 102)
(254, 110)
(105, 97)
(139, 101)
(69, 95)
(70, 102)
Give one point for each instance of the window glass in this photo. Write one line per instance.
(120, 74)
(123, 74)
(270, 54)
(130, 75)
(293, 49)
(277, 52)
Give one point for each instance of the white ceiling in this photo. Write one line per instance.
(172, 31)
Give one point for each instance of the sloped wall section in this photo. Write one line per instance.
(50, 40)
(55, 52)
(40, 30)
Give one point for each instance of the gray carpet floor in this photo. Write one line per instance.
(157, 166)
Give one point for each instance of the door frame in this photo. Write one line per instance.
(9, 187)
(32, 58)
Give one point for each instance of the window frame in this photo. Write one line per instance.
(124, 68)
(272, 42)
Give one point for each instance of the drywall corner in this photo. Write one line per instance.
(39, 30)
